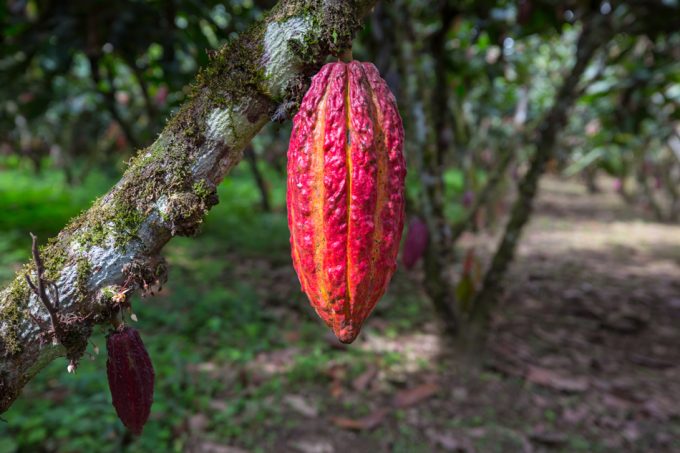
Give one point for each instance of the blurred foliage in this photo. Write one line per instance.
(86, 82)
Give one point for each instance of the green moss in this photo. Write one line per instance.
(54, 258)
(163, 167)
(331, 29)
(13, 312)
(18, 290)
(125, 220)
(87, 227)
(93, 235)
(159, 169)
(119, 220)
(143, 158)
(201, 190)
(235, 74)
(83, 273)
(106, 294)
(184, 213)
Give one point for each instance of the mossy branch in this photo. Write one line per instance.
(112, 248)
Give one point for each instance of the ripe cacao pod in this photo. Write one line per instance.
(131, 377)
(345, 194)
(415, 243)
(468, 198)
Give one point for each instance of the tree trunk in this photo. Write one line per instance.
(671, 186)
(647, 192)
(113, 248)
(591, 39)
(261, 184)
(439, 247)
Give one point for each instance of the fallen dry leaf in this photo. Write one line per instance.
(362, 381)
(301, 405)
(218, 405)
(651, 362)
(368, 422)
(660, 408)
(337, 374)
(213, 447)
(313, 446)
(415, 395)
(292, 336)
(450, 442)
(574, 415)
(557, 381)
(336, 389)
(198, 423)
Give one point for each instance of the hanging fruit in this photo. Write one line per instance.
(131, 377)
(345, 195)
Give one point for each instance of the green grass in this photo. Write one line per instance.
(211, 312)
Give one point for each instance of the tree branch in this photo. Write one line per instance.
(495, 178)
(110, 99)
(169, 186)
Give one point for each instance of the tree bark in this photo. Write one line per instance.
(112, 249)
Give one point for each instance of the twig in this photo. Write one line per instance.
(40, 292)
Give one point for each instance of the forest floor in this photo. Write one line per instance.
(583, 354)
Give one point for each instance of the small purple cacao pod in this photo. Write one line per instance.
(131, 377)
(468, 198)
(415, 243)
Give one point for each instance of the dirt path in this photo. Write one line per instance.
(592, 317)
(584, 354)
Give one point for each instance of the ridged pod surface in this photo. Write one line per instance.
(131, 377)
(345, 194)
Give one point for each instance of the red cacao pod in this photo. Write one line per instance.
(131, 377)
(415, 243)
(345, 194)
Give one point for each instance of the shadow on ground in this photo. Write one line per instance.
(582, 357)
(583, 354)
